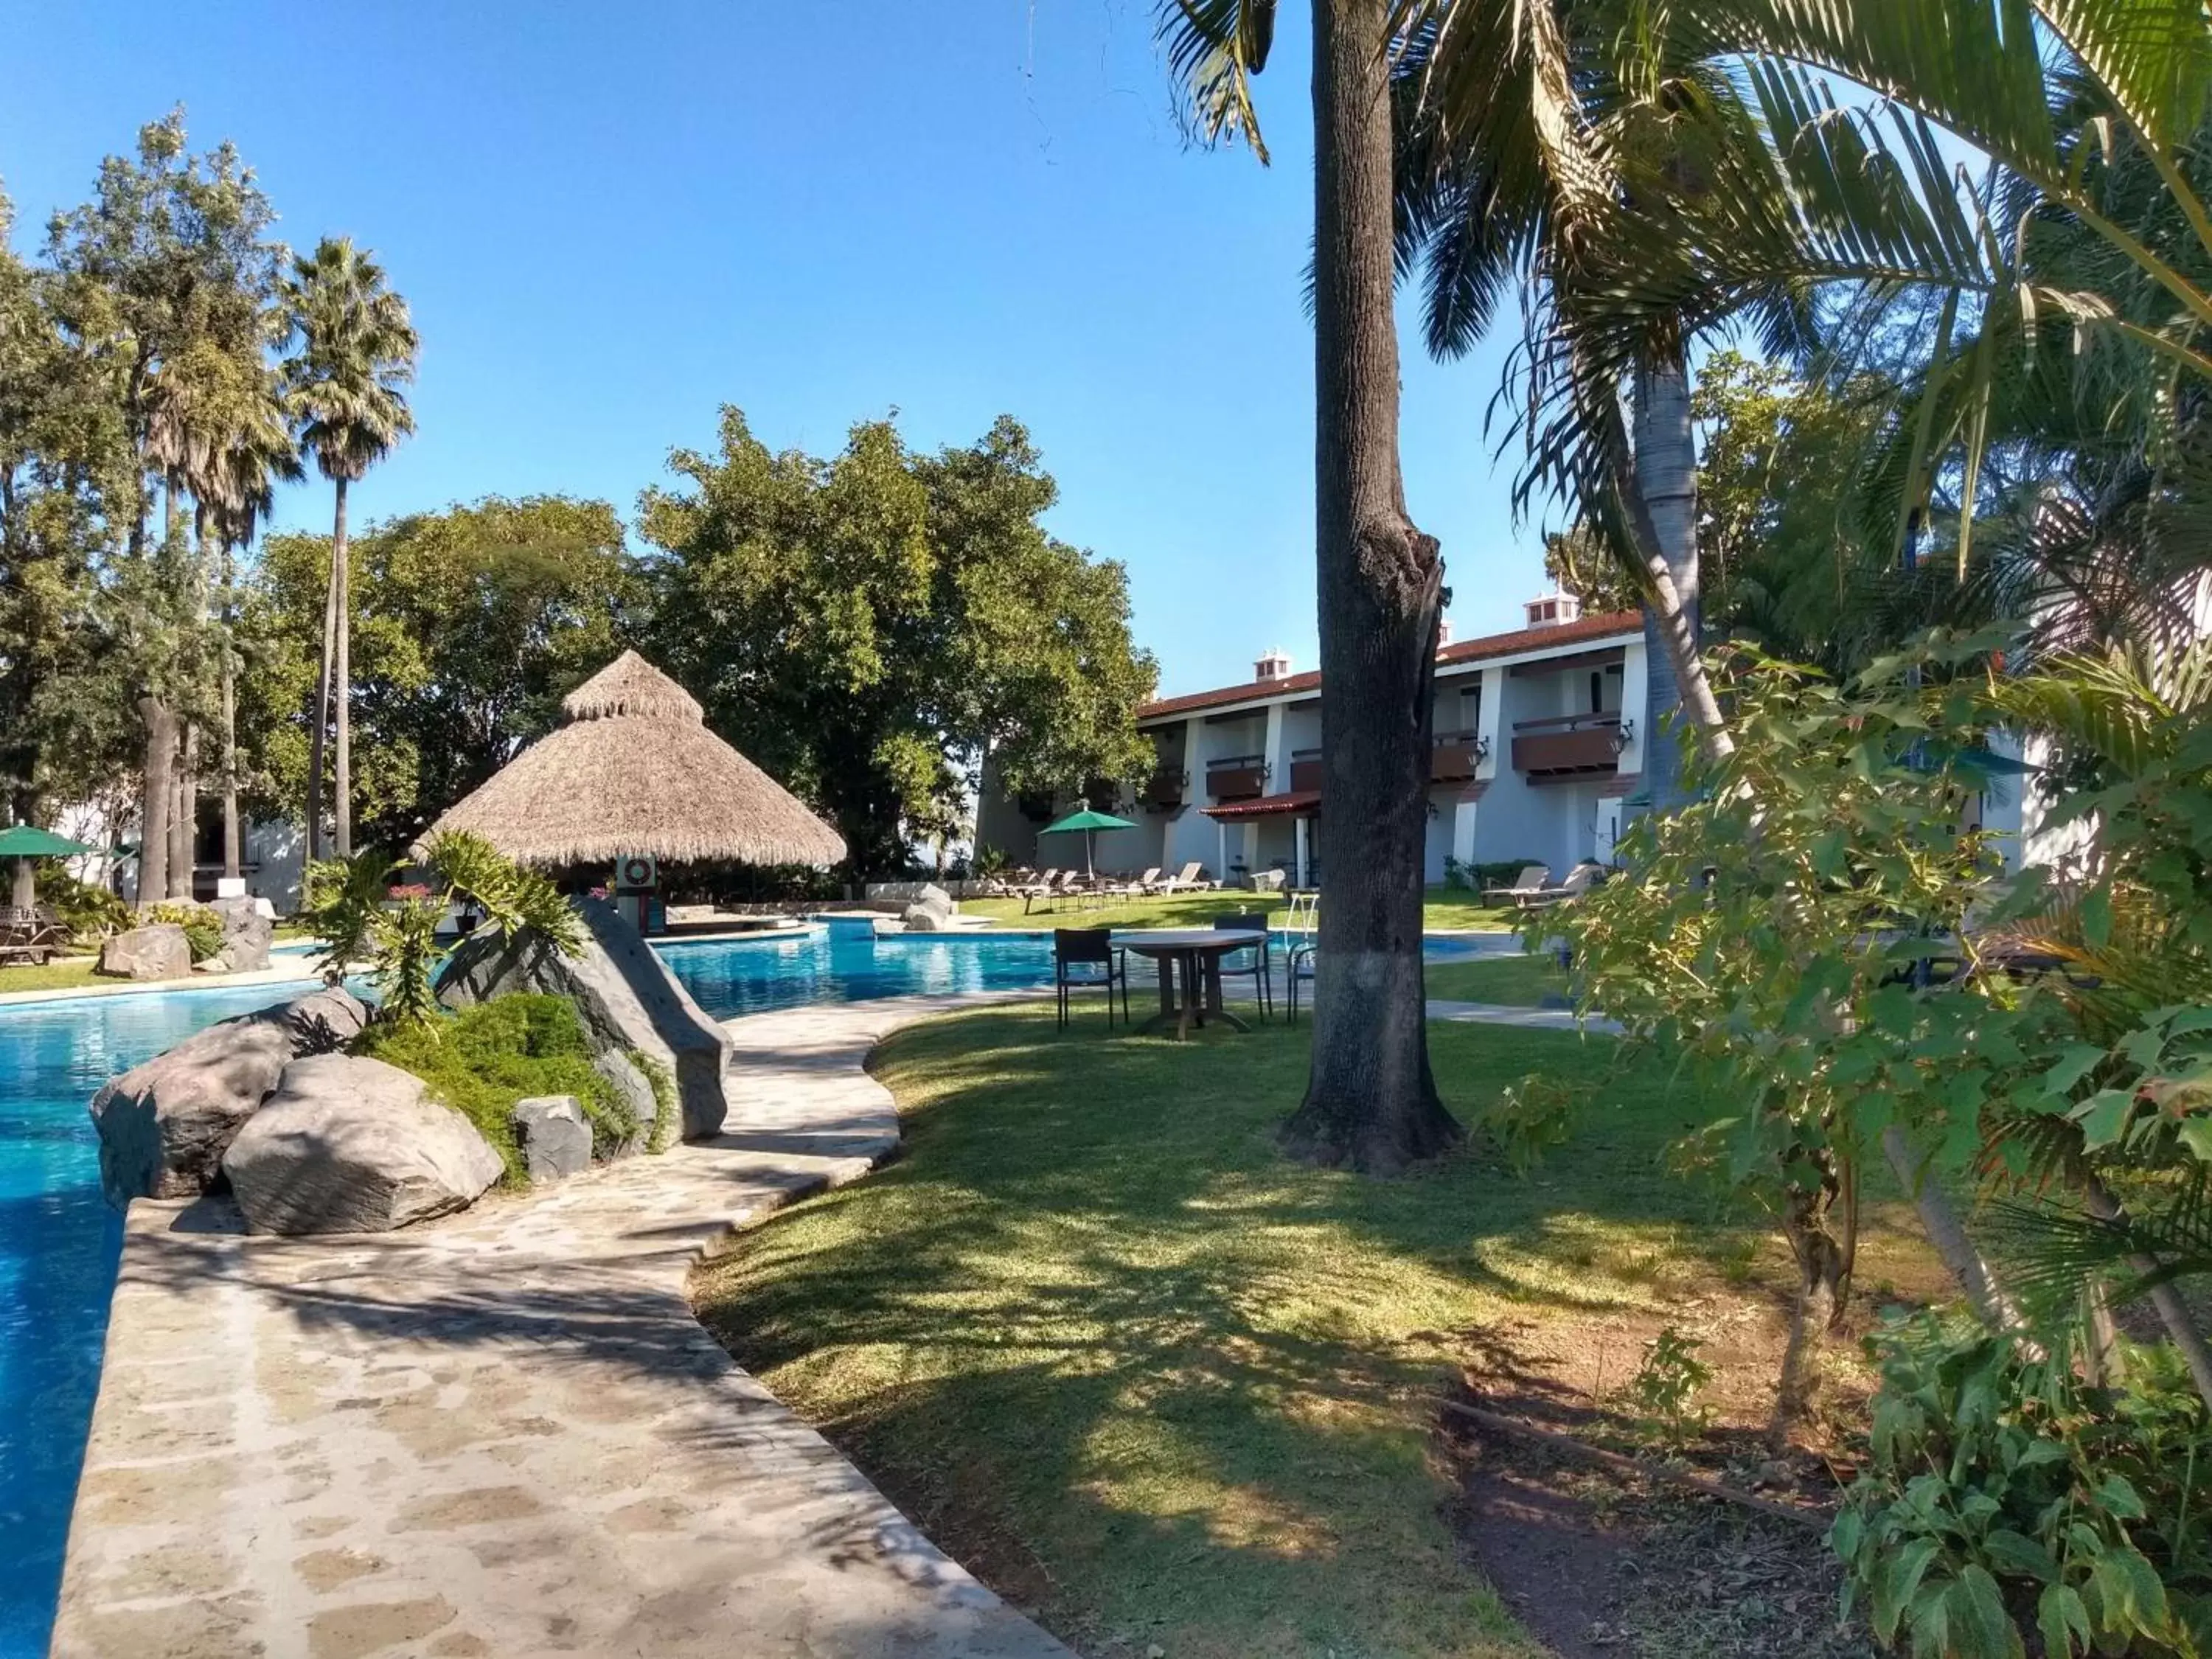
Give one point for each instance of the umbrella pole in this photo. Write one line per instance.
(27, 885)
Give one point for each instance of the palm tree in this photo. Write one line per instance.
(356, 349)
(240, 482)
(1371, 1101)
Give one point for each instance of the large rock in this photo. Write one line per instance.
(164, 1125)
(246, 934)
(637, 1089)
(353, 1146)
(921, 919)
(555, 1135)
(624, 995)
(933, 897)
(157, 950)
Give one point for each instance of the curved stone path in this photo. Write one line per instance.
(505, 1434)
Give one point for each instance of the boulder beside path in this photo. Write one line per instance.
(165, 1125)
(157, 950)
(348, 1145)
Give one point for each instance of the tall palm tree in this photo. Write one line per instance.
(257, 452)
(356, 350)
(1371, 1101)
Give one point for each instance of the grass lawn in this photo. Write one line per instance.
(1511, 982)
(1165, 1389)
(68, 974)
(1445, 907)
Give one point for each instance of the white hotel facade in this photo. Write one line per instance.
(1540, 736)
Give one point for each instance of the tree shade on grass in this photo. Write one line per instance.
(1162, 1385)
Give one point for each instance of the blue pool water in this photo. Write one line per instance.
(844, 962)
(59, 1240)
(59, 1243)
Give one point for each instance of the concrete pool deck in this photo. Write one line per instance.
(506, 1433)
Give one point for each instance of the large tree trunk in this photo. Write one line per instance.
(319, 723)
(342, 686)
(184, 819)
(232, 861)
(156, 773)
(1370, 1101)
(1664, 514)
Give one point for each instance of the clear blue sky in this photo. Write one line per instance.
(609, 222)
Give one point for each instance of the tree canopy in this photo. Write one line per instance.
(873, 627)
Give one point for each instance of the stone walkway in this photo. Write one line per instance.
(505, 1434)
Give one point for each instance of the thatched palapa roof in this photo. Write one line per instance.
(632, 771)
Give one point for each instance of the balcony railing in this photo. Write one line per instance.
(1570, 745)
(1164, 791)
(1236, 777)
(1455, 756)
(1305, 770)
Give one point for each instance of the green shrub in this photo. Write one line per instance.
(202, 928)
(89, 912)
(489, 1055)
(2004, 1491)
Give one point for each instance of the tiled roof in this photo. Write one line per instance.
(1265, 806)
(1581, 631)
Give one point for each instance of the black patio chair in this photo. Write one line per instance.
(1084, 957)
(1254, 960)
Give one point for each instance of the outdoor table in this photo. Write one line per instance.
(1194, 954)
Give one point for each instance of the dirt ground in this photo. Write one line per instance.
(1605, 1566)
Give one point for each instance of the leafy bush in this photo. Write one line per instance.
(202, 928)
(489, 1055)
(2005, 1491)
(1667, 1381)
(89, 912)
(359, 915)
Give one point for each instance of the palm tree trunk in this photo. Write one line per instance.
(1957, 1251)
(342, 685)
(2165, 1300)
(1371, 1100)
(319, 724)
(1664, 508)
(155, 773)
(233, 865)
(184, 817)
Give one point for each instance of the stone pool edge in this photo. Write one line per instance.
(258, 1465)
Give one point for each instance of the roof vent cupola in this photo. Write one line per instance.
(1274, 663)
(1552, 609)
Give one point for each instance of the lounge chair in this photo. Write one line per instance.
(1532, 881)
(1580, 880)
(1051, 888)
(1190, 878)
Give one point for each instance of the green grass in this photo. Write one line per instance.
(1444, 907)
(1165, 1388)
(1509, 981)
(69, 974)
(491, 1055)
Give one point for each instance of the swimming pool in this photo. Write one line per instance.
(58, 1244)
(59, 1240)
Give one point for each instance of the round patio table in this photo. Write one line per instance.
(1193, 956)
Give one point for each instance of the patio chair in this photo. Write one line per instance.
(1085, 956)
(1256, 960)
(1532, 881)
(1302, 942)
(1188, 879)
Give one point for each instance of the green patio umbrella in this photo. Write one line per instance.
(1089, 823)
(25, 842)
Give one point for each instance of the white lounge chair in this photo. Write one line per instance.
(1188, 879)
(1580, 880)
(1533, 880)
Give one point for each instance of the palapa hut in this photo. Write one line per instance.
(632, 773)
